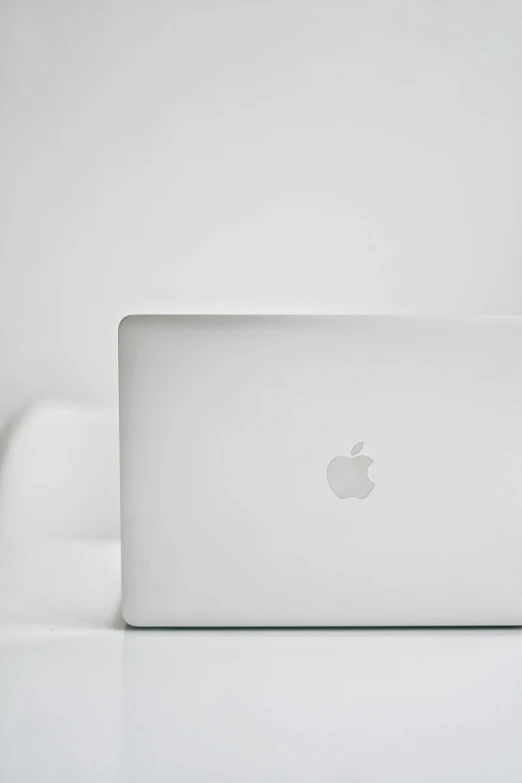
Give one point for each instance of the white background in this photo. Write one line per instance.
(248, 156)
(255, 155)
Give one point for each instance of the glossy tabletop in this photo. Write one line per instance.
(93, 700)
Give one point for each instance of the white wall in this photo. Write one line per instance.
(259, 155)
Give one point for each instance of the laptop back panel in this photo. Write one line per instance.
(321, 470)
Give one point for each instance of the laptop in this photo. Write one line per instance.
(321, 470)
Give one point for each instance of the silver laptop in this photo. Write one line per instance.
(321, 470)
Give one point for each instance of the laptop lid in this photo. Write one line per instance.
(321, 470)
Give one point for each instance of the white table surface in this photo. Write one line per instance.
(82, 698)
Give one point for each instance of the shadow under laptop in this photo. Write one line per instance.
(320, 704)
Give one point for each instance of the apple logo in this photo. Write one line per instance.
(348, 476)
